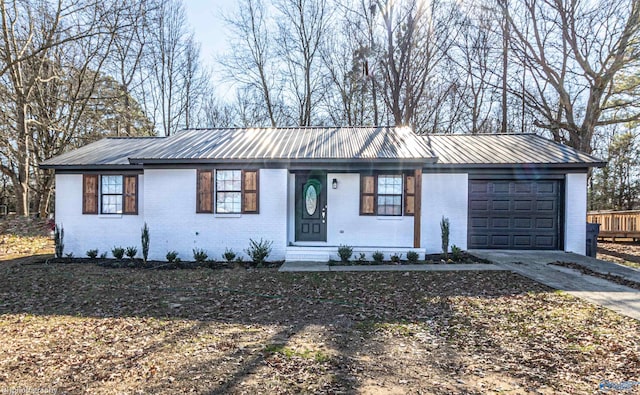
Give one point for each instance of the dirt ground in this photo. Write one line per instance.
(86, 329)
(626, 253)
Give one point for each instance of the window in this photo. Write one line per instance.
(384, 194)
(112, 190)
(114, 194)
(389, 195)
(228, 191)
(236, 191)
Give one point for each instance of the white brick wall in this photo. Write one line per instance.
(444, 195)
(87, 232)
(345, 225)
(174, 225)
(575, 214)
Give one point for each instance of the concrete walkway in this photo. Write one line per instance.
(536, 265)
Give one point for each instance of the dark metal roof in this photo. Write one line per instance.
(291, 144)
(500, 150)
(108, 152)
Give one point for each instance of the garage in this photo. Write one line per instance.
(514, 214)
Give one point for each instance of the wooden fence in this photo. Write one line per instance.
(617, 224)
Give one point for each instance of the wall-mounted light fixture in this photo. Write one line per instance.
(334, 183)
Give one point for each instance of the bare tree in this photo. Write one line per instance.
(303, 26)
(576, 54)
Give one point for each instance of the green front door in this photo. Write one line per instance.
(311, 206)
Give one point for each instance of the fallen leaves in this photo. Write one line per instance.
(84, 328)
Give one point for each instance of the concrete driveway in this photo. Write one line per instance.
(536, 265)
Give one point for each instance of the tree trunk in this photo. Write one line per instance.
(21, 185)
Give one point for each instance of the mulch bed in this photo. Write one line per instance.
(430, 259)
(163, 265)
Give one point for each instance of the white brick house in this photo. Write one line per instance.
(309, 190)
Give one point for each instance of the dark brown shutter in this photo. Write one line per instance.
(204, 202)
(89, 194)
(409, 195)
(367, 195)
(130, 196)
(250, 191)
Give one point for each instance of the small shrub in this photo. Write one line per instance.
(345, 252)
(93, 254)
(378, 257)
(58, 237)
(171, 256)
(456, 253)
(199, 255)
(131, 252)
(69, 255)
(117, 252)
(144, 238)
(239, 259)
(444, 234)
(412, 257)
(229, 255)
(361, 259)
(259, 251)
(395, 258)
(103, 255)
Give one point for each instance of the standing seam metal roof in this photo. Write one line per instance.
(349, 143)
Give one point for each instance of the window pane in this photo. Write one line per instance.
(389, 205)
(228, 180)
(112, 204)
(390, 185)
(111, 184)
(228, 202)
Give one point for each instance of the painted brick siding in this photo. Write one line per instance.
(345, 225)
(575, 220)
(87, 232)
(170, 211)
(444, 195)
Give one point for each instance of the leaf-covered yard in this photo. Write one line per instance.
(86, 329)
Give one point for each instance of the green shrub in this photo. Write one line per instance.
(103, 255)
(117, 252)
(456, 253)
(229, 255)
(345, 252)
(395, 258)
(171, 256)
(58, 237)
(259, 251)
(361, 259)
(69, 255)
(412, 257)
(144, 239)
(131, 252)
(199, 255)
(92, 254)
(378, 257)
(444, 234)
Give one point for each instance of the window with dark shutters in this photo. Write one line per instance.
(204, 202)
(90, 194)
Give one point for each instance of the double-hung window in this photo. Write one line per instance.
(228, 191)
(109, 194)
(387, 194)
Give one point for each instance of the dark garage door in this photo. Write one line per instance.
(506, 214)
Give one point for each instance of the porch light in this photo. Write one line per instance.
(334, 183)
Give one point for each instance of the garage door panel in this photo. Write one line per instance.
(514, 214)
